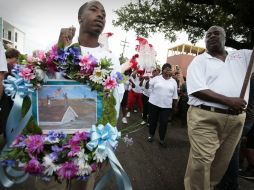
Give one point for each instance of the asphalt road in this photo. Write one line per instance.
(148, 165)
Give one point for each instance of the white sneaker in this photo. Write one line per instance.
(128, 114)
(124, 120)
(143, 123)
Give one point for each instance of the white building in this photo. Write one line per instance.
(11, 35)
(63, 117)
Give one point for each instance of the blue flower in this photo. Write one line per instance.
(119, 76)
(8, 163)
(61, 56)
(75, 53)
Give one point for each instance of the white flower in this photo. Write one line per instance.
(85, 169)
(100, 156)
(50, 167)
(99, 75)
(40, 74)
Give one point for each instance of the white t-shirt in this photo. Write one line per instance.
(3, 62)
(146, 91)
(163, 91)
(100, 53)
(136, 81)
(226, 78)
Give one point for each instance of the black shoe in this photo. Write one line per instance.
(163, 144)
(247, 174)
(150, 139)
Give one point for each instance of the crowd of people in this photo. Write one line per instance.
(220, 123)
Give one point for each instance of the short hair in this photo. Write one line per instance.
(166, 65)
(219, 28)
(12, 53)
(80, 11)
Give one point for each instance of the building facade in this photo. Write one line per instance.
(11, 35)
(181, 56)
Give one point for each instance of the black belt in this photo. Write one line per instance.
(219, 110)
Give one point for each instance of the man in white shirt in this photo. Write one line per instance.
(216, 114)
(92, 18)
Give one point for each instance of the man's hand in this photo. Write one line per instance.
(237, 104)
(66, 36)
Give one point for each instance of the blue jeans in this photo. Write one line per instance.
(230, 178)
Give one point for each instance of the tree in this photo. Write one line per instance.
(192, 16)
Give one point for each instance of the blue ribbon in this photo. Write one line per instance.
(105, 139)
(17, 88)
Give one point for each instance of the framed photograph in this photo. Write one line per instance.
(66, 106)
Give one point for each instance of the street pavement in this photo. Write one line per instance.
(148, 165)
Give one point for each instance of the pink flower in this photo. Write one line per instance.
(34, 166)
(77, 137)
(68, 170)
(87, 63)
(53, 52)
(27, 74)
(29, 59)
(110, 83)
(40, 55)
(75, 149)
(35, 143)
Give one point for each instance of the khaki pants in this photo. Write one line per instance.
(213, 138)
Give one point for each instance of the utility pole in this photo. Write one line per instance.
(124, 44)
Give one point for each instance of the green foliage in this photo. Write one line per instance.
(122, 59)
(109, 112)
(31, 127)
(192, 16)
(22, 59)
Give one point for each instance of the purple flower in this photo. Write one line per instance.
(77, 137)
(68, 170)
(75, 53)
(75, 148)
(94, 167)
(119, 76)
(34, 166)
(56, 149)
(19, 142)
(61, 57)
(87, 64)
(53, 155)
(35, 143)
(52, 136)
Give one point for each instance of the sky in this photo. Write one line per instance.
(41, 20)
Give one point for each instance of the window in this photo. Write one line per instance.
(9, 35)
(15, 47)
(16, 36)
(3, 33)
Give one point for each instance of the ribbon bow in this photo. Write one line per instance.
(103, 136)
(14, 85)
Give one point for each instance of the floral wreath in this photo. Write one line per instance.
(56, 154)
